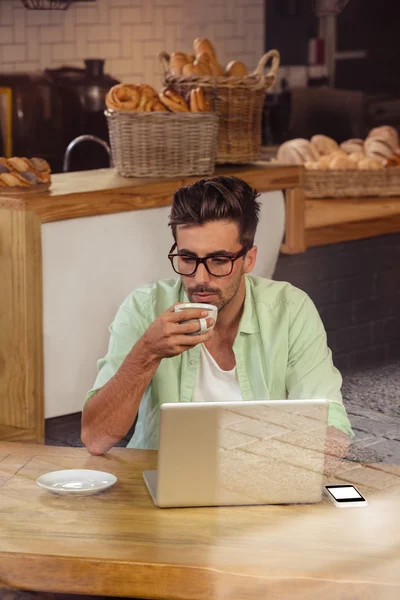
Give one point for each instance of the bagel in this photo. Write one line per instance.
(123, 96)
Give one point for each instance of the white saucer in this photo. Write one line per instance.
(76, 482)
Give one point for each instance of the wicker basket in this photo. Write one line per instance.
(238, 103)
(160, 144)
(341, 184)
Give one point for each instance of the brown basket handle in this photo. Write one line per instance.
(164, 59)
(276, 59)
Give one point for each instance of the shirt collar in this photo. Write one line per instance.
(249, 321)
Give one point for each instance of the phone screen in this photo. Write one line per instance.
(345, 493)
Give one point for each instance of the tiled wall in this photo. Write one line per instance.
(356, 288)
(129, 34)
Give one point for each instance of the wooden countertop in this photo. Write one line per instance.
(321, 221)
(103, 191)
(119, 544)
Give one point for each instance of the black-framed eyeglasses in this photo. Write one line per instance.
(217, 265)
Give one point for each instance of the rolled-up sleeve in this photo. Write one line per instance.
(311, 373)
(129, 324)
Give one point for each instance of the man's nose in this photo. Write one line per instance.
(201, 275)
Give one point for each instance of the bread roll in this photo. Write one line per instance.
(341, 163)
(352, 145)
(378, 149)
(369, 164)
(204, 45)
(190, 58)
(312, 166)
(190, 69)
(176, 63)
(324, 144)
(287, 154)
(306, 150)
(236, 69)
(215, 68)
(356, 156)
(386, 134)
(324, 162)
(203, 61)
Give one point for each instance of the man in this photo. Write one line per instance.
(268, 341)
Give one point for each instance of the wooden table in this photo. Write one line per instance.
(118, 543)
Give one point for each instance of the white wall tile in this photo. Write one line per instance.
(97, 33)
(63, 52)
(19, 25)
(6, 35)
(131, 15)
(13, 53)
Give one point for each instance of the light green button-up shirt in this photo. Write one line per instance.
(280, 349)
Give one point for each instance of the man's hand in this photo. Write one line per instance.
(167, 335)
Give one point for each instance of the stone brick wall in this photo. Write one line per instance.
(356, 288)
(129, 34)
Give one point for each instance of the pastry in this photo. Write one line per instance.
(324, 162)
(23, 172)
(203, 61)
(236, 69)
(173, 101)
(312, 165)
(197, 101)
(40, 164)
(288, 154)
(378, 149)
(201, 45)
(324, 144)
(158, 106)
(341, 163)
(352, 145)
(369, 164)
(356, 156)
(386, 134)
(192, 69)
(123, 96)
(13, 179)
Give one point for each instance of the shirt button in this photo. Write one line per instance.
(192, 362)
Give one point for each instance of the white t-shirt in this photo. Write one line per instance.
(213, 384)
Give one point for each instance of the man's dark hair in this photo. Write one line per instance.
(217, 199)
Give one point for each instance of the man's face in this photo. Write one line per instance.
(203, 240)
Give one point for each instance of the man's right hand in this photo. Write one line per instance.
(167, 335)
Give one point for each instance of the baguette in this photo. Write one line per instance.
(201, 45)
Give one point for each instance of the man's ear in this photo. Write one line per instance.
(250, 259)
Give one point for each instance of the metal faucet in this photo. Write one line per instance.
(78, 140)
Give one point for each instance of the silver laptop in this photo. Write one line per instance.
(240, 453)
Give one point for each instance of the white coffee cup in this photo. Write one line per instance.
(212, 313)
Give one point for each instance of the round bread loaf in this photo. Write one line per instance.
(352, 145)
(324, 144)
(236, 69)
